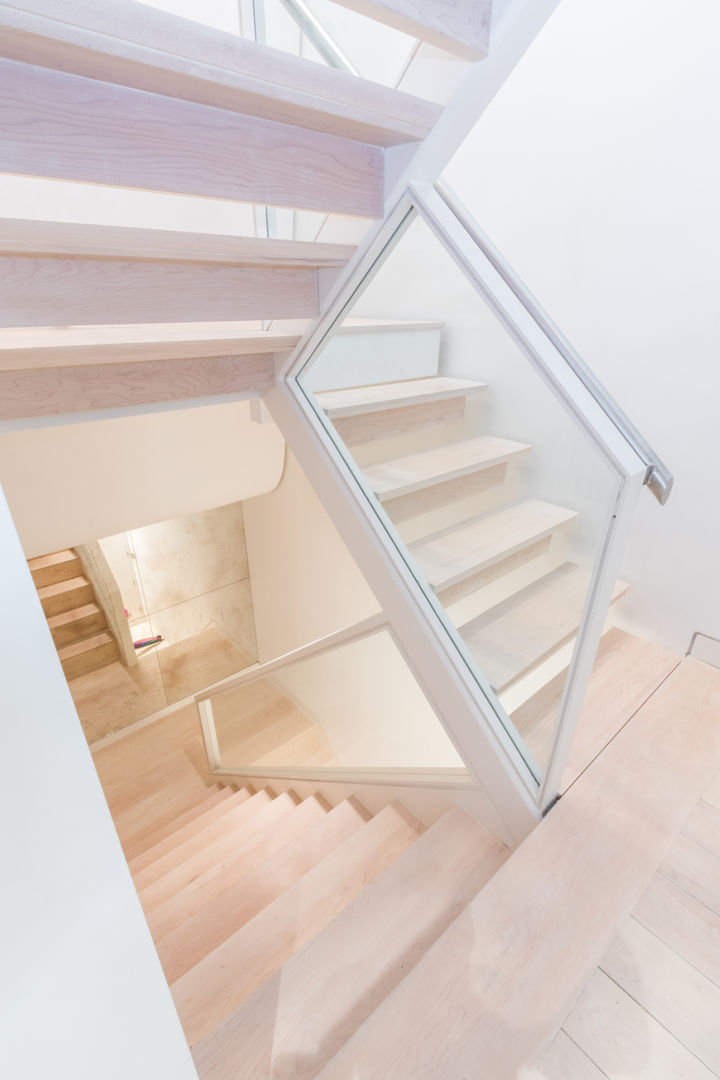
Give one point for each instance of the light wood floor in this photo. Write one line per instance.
(115, 696)
(652, 1009)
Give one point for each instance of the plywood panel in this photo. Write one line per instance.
(71, 128)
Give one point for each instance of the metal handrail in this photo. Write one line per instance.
(317, 35)
(658, 477)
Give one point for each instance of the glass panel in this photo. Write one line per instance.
(496, 496)
(356, 706)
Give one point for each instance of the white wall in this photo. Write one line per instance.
(596, 171)
(82, 994)
(71, 483)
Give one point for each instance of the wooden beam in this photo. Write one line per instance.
(25, 347)
(68, 127)
(52, 392)
(134, 45)
(461, 27)
(19, 236)
(67, 292)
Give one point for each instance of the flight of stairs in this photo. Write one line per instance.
(259, 903)
(77, 623)
(501, 565)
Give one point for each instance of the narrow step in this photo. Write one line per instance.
(164, 53)
(455, 554)
(270, 831)
(415, 472)
(66, 595)
(179, 146)
(30, 347)
(50, 569)
(197, 936)
(154, 834)
(369, 948)
(187, 830)
(214, 988)
(516, 635)
(461, 28)
(239, 815)
(381, 396)
(77, 624)
(136, 838)
(88, 655)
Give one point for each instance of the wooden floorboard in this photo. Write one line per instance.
(497, 985)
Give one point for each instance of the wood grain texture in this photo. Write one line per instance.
(366, 427)
(686, 925)
(76, 624)
(515, 636)
(59, 566)
(292, 1025)
(183, 863)
(412, 473)
(703, 826)
(66, 291)
(55, 239)
(673, 992)
(188, 829)
(197, 935)
(461, 27)
(218, 985)
(50, 391)
(65, 595)
(24, 347)
(72, 128)
(483, 991)
(456, 553)
(80, 657)
(378, 397)
(694, 869)
(564, 1061)
(625, 1041)
(272, 830)
(121, 41)
(155, 834)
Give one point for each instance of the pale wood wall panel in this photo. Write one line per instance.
(78, 292)
(72, 128)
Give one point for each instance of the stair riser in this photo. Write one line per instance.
(66, 601)
(75, 666)
(79, 629)
(51, 575)
(367, 427)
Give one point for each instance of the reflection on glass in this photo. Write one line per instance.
(355, 706)
(497, 498)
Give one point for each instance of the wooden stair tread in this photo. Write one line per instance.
(186, 830)
(64, 346)
(57, 557)
(165, 53)
(59, 588)
(454, 554)
(61, 239)
(554, 906)
(77, 648)
(216, 986)
(166, 908)
(371, 946)
(153, 835)
(393, 395)
(461, 27)
(240, 814)
(416, 471)
(63, 618)
(149, 832)
(197, 936)
(516, 634)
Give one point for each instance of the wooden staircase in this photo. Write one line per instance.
(77, 623)
(248, 891)
(503, 574)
